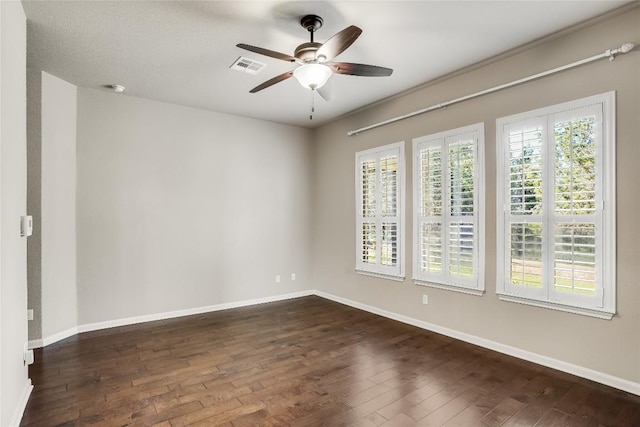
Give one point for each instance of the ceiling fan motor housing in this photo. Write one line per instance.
(306, 52)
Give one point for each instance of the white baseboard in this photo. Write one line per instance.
(188, 312)
(580, 371)
(60, 336)
(43, 342)
(590, 374)
(35, 344)
(22, 404)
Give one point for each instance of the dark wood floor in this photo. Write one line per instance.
(303, 362)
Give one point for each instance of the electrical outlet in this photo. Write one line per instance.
(425, 299)
(27, 356)
(30, 314)
(293, 276)
(278, 278)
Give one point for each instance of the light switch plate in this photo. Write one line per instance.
(26, 226)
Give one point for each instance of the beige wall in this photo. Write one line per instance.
(179, 208)
(14, 382)
(611, 347)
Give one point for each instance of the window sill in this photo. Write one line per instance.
(600, 314)
(380, 275)
(461, 289)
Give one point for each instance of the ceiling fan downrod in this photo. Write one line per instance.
(306, 52)
(311, 23)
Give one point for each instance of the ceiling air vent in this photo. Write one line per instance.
(247, 65)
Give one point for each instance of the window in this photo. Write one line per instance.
(556, 204)
(380, 211)
(448, 191)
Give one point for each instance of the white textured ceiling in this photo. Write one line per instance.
(180, 51)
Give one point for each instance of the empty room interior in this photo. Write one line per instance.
(357, 213)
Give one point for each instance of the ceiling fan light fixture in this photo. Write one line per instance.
(312, 76)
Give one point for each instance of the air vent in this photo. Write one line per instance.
(247, 65)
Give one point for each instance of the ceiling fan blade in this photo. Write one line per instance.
(338, 43)
(360, 69)
(276, 79)
(267, 52)
(326, 91)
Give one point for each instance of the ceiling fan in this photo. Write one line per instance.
(314, 59)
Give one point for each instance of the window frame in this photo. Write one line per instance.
(396, 272)
(476, 285)
(603, 303)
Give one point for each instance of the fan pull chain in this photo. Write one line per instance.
(313, 107)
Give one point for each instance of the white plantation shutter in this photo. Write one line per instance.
(574, 258)
(447, 189)
(556, 170)
(389, 210)
(525, 168)
(379, 206)
(368, 173)
(524, 221)
(430, 236)
(577, 220)
(462, 223)
(430, 241)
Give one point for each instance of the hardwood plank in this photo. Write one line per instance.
(503, 411)
(411, 399)
(573, 400)
(555, 418)
(450, 409)
(434, 402)
(400, 420)
(302, 362)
